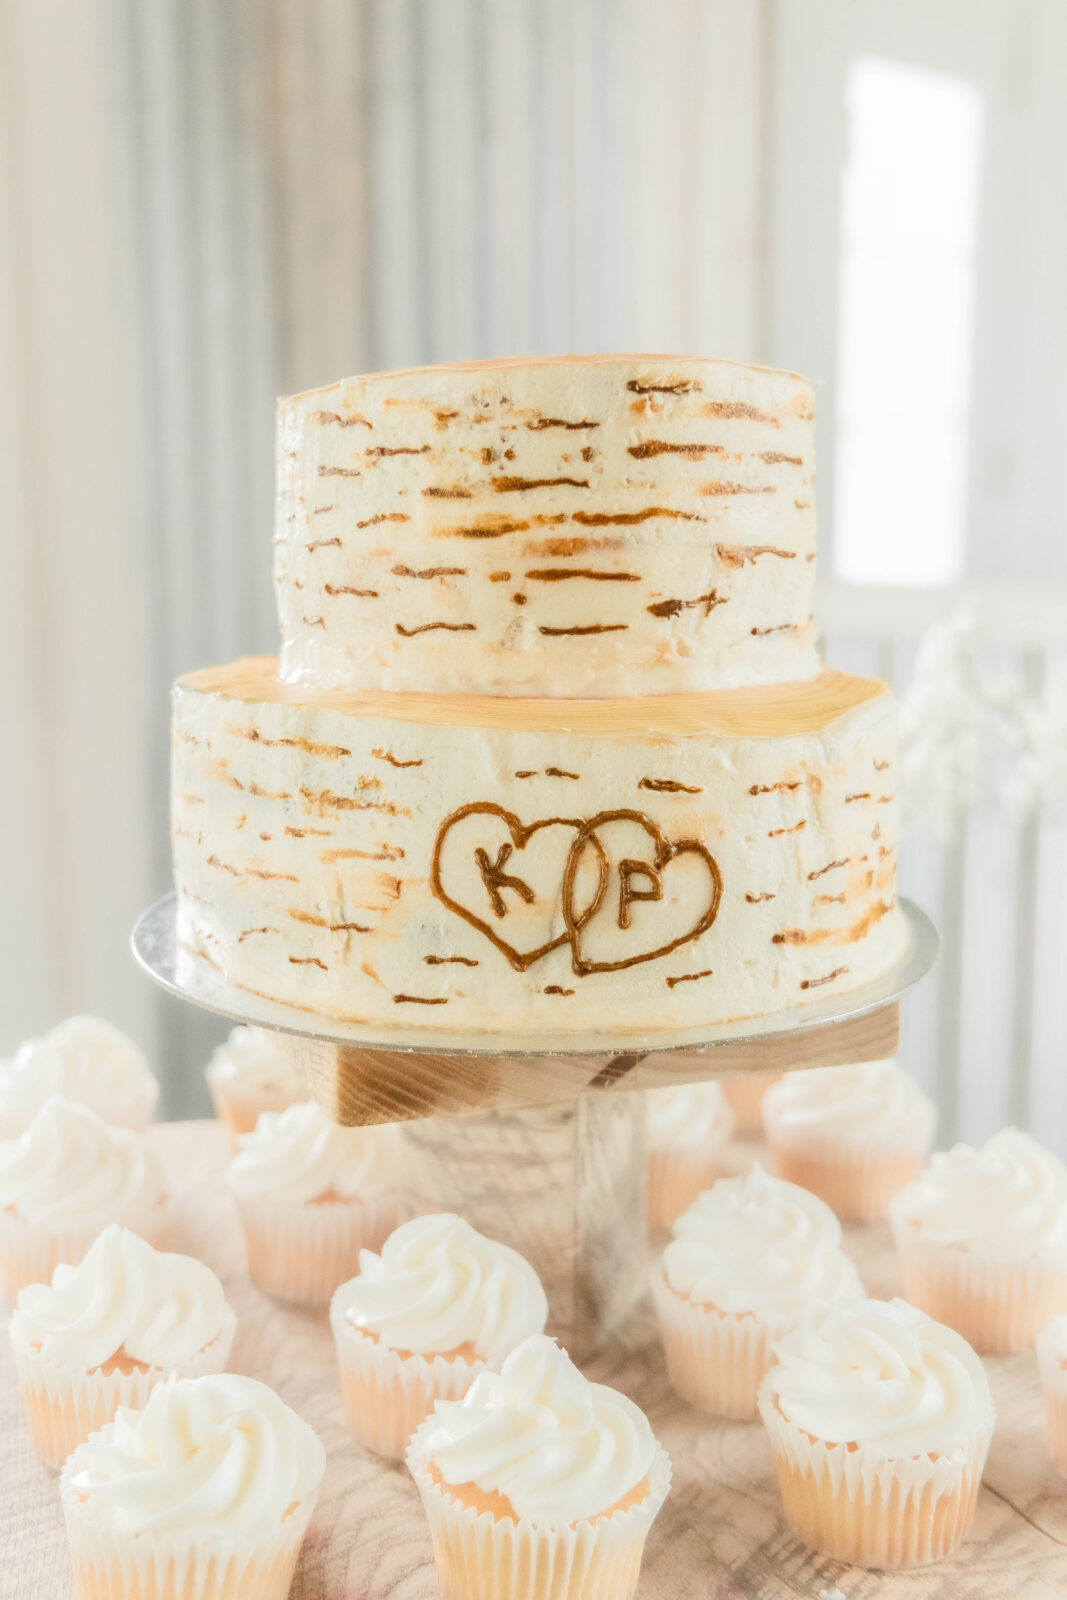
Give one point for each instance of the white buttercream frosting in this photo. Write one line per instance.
(72, 1169)
(557, 1447)
(299, 1155)
(85, 1059)
(689, 1116)
(880, 1374)
(217, 1455)
(123, 1297)
(255, 1060)
(439, 1284)
(1008, 1198)
(759, 1245)
(873, 1102)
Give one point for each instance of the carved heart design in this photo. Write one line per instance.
(646, 874)
(489, 887)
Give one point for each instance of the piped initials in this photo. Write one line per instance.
(496, 880)
(628, 871)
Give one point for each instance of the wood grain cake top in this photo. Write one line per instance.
(769, 711)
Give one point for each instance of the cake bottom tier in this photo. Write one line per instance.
(560, 865)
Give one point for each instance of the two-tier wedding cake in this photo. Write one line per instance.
(548, 745)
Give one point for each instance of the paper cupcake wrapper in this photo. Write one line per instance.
(872, 1510)
(64, 1405)
(483, 1557)
(857, 1184)
(744, 1095)
(998, 1306)
(387, 1395)
(113, 1565)
(239, 1110)
(674, 1178)
(305, 1252)
(716, 1360)
(29, 1254)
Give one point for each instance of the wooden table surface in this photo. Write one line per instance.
(719, 1537)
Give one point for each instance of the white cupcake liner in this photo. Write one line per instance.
(65, 1404)
(716, 1360)
(387, 1395)
(860, 1506)
(110, 1564)
(857, 1179)
(483, 1557)
(30, 1254)
(305, 1252)
(999, 1306)
(240, 1109)
(674, 1178)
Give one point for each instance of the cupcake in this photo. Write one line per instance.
(852, 1135)
(65, 1179)
(251, 1073)
(87, 1060)
(745, 1259)
(105, 1332)
(1052, 1363)
(311, 1196)
(538, 1483)
(744, 1095)
(982, 1240)
(207, 1493)
(686, 1132)
(422, 1319)
(880, 1420)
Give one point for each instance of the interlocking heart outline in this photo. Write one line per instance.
(576, 920)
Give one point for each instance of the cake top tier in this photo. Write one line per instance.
(605, 525)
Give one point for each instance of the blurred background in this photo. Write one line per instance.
(205, 203)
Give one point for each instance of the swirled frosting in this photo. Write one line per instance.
(759, 1245)
(215, 1455)
(556, 1446)
(72, 1169)
(1008, 1198)
(255, 1060)
(439, 1284)
(85, 1059)
(300, 1154)
(156, 1308)
(688, 1115)
(872, 1102)
(880, 1373)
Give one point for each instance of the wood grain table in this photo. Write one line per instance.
(719, 1537)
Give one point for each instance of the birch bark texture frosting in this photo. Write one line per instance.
(617, 524)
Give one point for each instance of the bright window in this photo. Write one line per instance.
(909, 212)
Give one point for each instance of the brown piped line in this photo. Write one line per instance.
(885, 799)
(308, 961)
(668, 786)
(418, 1000)
(770, 788)
(321, 544)
(321, 922)
(326, 800)
(673, 608)
(324, 417)
(866, 795)
(738, 555)
(757, 899)
(560, 422)
(314, 622)
(430, 572)
(432, 627)
(732, 409)
(313, 749)
(223, 866)
(387, 755)
(803, 505)
(279, 877)
(397, 450)
(320, 511)
(447, 494)
(723, 487)
(830, 899)
(783, 627)
(444, 961)
(586, 628)
(775, 832)
(558, 772)
(829, 867)
(339, 472)
(683, 386)
(388, 852)
(815, 983)
(520, 485)
(532, 773)
(496, 530)
(880, 766)
(557, 988)
(662, 447)
(500, 577)
(628, 519)
(561, 574)
(384, 516)
(773, 457)
(690, 977)
(300, 833)
(247, 934)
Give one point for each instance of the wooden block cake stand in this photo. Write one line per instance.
(720, 1535)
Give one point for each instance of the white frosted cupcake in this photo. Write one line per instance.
(745, 1259)
(687, 1129)
(205, 1494)
(84, 1059)
(65, 1179)
(880, 1420)
(744, 1095)
(538, 1483)
(852, 1135)
(422, 1319)
(105, 1332)
(251, 1073)
(311, 1196)
(1052, 1363)
(982, 1240)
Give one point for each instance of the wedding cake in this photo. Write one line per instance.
(548, 745)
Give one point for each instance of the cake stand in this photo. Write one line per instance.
(535, 1138)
